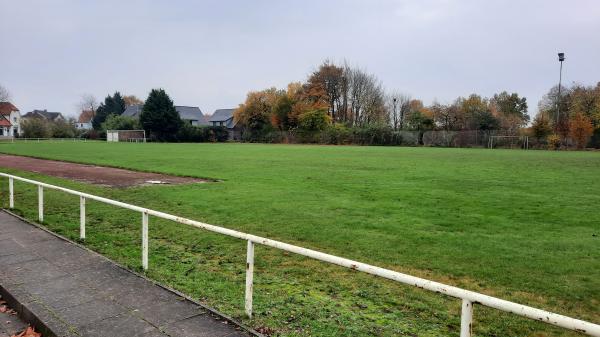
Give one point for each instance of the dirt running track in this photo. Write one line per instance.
(99, 175)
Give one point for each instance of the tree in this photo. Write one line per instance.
(111, 105)
(398, 108)
(120, 122)
(541, 126)
(4, 94)
(88, 102)
(281, 112)
(366, 99)
(549, 104)
(315, 120)
(326, 86)
(580, 129)
(255, 113)
(35, 128)
(159, 117)
(510, 110)
(130, 100)
(62, 129)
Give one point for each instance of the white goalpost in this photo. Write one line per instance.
(509, 141)
(134, 136)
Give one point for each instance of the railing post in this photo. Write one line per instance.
(82, 217)
(145, 240)
(11, 192)
(466, 318)
(249, 277)
(40, 203)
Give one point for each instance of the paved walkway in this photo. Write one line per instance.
(75, 292)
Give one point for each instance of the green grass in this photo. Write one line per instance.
(520, 225)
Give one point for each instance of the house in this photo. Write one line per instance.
(189, 114)
(45, 114)
(10, 120)
(84, 122)
(224, 117)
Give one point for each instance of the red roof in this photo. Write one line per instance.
(6, 108)
(86, 116)
(4, 122)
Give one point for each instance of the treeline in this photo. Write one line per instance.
(339, 101)
(158, 118)
(571, 118)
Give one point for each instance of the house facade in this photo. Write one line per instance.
(45, 115)
(84, 122)
(189, 114)
(224, 117)
(10, 120)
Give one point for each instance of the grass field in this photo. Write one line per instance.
(520, 225)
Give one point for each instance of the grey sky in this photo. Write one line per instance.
(211, 53)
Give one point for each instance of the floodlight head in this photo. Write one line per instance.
(561, 57)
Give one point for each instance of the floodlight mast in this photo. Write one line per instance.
(561, 58)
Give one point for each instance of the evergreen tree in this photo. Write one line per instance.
(112, 105)
(159, 117)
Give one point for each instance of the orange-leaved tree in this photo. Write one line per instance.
(580, 129)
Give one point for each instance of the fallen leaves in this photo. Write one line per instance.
(5, 309)
(29, 332)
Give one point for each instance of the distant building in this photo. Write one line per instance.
(10, 120)
(84, 122)
(189, 114)
(45, 114)
(224, 117)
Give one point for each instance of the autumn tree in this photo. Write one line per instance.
(255, 113)
(326, 87)
(541, 127)
(580, 129)
(130, 100)
(510, 110)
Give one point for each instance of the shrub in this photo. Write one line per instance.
(336, 134)
(217, 133)
(199, 134)
(553, 142)
(120, 122)
(62, 129)
(35, 128)
(376, 134)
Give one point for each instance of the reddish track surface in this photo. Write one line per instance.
(100, 175)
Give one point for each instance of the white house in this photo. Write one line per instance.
(10, 120)
(84, 122)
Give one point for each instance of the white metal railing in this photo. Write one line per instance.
(38, 140)
(469, 298)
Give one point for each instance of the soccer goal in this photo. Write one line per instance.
(510, 142)
(134, 136)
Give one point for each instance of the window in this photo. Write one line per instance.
(15, 119)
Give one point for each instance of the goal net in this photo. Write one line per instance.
(136, 136)
(509, 142)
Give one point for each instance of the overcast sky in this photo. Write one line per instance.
(211, 53)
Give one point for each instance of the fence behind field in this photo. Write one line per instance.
(469, 298)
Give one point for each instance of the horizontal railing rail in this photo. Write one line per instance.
(38, 140)
(469, 298)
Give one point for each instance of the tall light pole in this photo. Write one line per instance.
(561, 58)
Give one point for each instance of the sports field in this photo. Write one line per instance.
(519, 225)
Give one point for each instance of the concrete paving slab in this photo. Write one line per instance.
(116, 325)
(68, 290)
